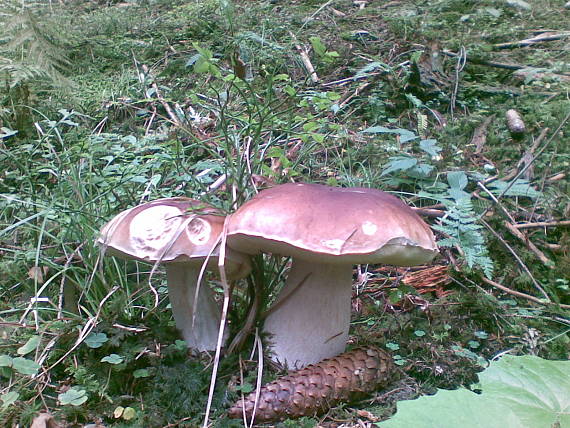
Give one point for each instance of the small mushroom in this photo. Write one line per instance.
(326, 230)
(180, 233)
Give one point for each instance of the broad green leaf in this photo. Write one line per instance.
(6, 361)
(73, 396)
(318, 46)
(112, 359)
(25, 366)
(519, 188)
(319, 138)
(29, 346)
(141, 373)
(9, 398)
(517, 392)
(430, 147)
(392, 346)
(457, 179)
(399, 163)
(96, 340)
(405, 135)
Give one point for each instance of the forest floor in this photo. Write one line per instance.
(461, 108)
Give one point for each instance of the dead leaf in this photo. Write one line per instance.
(45, 420)
(37, 273)
(367, 415)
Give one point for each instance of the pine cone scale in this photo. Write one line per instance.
(316, 388)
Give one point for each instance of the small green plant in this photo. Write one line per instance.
(322, 52)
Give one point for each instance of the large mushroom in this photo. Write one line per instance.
(326, 231)
(181, 233)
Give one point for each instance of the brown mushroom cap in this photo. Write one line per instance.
(333, 225)
(179, 230)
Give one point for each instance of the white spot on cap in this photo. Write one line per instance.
(369, 228)
(199, 231)
(153, 228)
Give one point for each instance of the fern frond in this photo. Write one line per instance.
(460, 226)
(31, 48)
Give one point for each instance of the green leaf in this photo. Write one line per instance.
(141, 373)
(399, 163)
(74, 396)
(25, 366)
(6, 361)
(246, 388)
(517, 392)
(9, 398)
(30, 345)
(318, 45)
(518, 188)
(405, 135)
(112, 359)
(430, 147)
(457, 179)
(96, 340)
(6, 132)
(319, 138)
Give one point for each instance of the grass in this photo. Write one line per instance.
(104, 141)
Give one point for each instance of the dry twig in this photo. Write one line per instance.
(544, 37)
(522, 295)
(545, 260)
(480, 134)
(543, 224)
(306, 60)
(160, 98)
(517, 258)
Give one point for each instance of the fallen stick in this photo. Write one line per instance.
(540, 224)
(522, 295)
(162, 101)
(480, 134)
(306, 60)
(544, 37)
(545, 260)
(518, 259)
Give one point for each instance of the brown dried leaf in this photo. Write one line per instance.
(45, 420)
(37, 273)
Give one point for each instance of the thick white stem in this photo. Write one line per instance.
(182, 281)
(312, 322)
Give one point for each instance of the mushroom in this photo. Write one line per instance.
(181, 233)
(326, 230)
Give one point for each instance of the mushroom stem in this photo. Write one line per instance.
(182, 282)
(311, 322)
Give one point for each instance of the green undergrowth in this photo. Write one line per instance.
(107, 105)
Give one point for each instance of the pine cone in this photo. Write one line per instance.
(318, 387)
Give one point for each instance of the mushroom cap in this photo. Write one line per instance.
(170, 230)
(331, 224)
